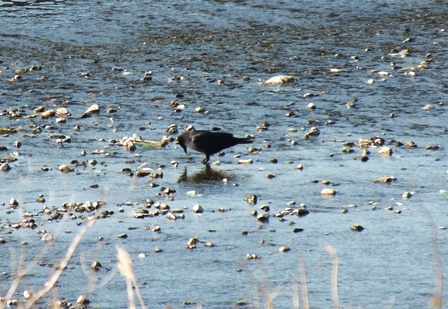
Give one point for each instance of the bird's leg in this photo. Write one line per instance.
(206, 159)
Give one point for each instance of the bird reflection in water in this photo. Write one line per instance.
(206, 175)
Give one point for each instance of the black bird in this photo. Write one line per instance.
(209, 142)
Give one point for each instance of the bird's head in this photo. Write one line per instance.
(181, 142)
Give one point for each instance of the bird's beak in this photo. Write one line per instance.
(185, 148)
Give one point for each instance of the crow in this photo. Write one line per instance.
(209, 142)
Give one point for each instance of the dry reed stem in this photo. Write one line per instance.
(63, 264)
(437, 300)
(334, 275)
(22, 271)
(124, 265)
(302, 269)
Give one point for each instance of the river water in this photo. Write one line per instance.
(388, 57)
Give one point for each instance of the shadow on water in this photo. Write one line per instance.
(207, 175)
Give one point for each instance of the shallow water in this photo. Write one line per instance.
(391, 263)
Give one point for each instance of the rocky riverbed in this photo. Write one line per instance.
(343, 190)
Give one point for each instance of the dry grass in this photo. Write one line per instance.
(22, 271)
(264, 295)
(127, 271)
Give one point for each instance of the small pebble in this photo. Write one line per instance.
(13, 203)
(328, 191)
(357, 228)
(407, 195)
(47, 237)
(4, 167)
(198, 209)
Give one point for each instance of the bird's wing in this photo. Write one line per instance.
(211, 142)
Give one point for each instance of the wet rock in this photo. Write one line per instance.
(47, 237)
(198, 209)
(65, 169)
(147, 77)
(83, 300)
(192, 242)
(16, 78)
(407, 195)
(298, 230)
(265, 208)
(299, 167)
(40, 199)
(12, 302)
(386, 151)
(48, 114)
(192, 193)
(246, 161)
(357, 228)
(62, 111)
(374, 141)
(93, 109)
(301, 211)
(171, 216)
(253, 150)
(328, 191)
(351, 103)
(13, 203)
(385, 179)
(280, 79)
(364, 158)
(410, 144)
(4, 167)
(313, 131)
(310, 95)
(251, 256)
(27, 294)
(251, 199)
(143, 172)
(263, 217)
(347, 150)
(311, 106)
(96, 265)
(263, 127)
(172, 129)
(432, 147)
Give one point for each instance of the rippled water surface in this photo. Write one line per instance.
(389, 57)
